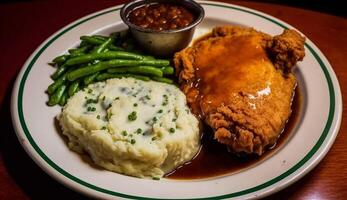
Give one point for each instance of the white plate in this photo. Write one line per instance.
(313, 137)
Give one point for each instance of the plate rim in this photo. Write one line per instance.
(335, 113)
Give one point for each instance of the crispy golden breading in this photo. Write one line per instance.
(239, 81)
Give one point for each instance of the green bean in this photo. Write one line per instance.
(95, 41)
(103, 56)
(84, 43)
(81, 72)
(162, 79)
(144, 78)
(103, 38)
(63, 99)
(100, 37)
(60, 59)
(115, 48)
(61, 70)
(55, 98)
(90, 79)
(155, 63)
(105, 76)
(103, 46)
(94, 62)
(168, 70)
(91, 40)
(73, 88)
(56, 84)
(118, 70)
(78, 51)
(148, 70)
(77, 54)
(148, 58)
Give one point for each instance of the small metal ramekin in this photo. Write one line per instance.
(165, 42)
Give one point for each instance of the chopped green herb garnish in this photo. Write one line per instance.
(116, 98)
(103, 128)
(109, 115)
(147, 97)
(154, 138)
(174, 119)
(90, 90)
(160, 111)
(138, 131)
(166, 100)
(124, 133)
(135, 105)
(172, 130)
(98, 117)
(103, 98)
(91, 109)
(132, 141)
(156, 178)
(132, 116)
(89, 101)
(147, 132)
(155, 119)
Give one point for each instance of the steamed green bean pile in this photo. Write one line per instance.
(98, 58)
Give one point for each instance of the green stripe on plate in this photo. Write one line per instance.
(235, 194)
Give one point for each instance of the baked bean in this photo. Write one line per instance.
(144, 25)
(161, 16)
(156, 13)
(162, 8)
(185, 22)
(136, 13)
(162, 21)
(142, 13)
(173, 26)
(149, 19)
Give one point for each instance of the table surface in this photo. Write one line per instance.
(24, 25)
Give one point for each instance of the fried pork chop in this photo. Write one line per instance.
(240, 82)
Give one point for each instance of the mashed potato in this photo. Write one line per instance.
(138, 128)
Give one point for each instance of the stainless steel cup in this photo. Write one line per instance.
(165, 42)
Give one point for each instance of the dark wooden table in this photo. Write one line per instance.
(24, 25)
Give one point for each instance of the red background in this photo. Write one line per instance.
(25, 25)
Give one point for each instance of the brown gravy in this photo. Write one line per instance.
(215, 160)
